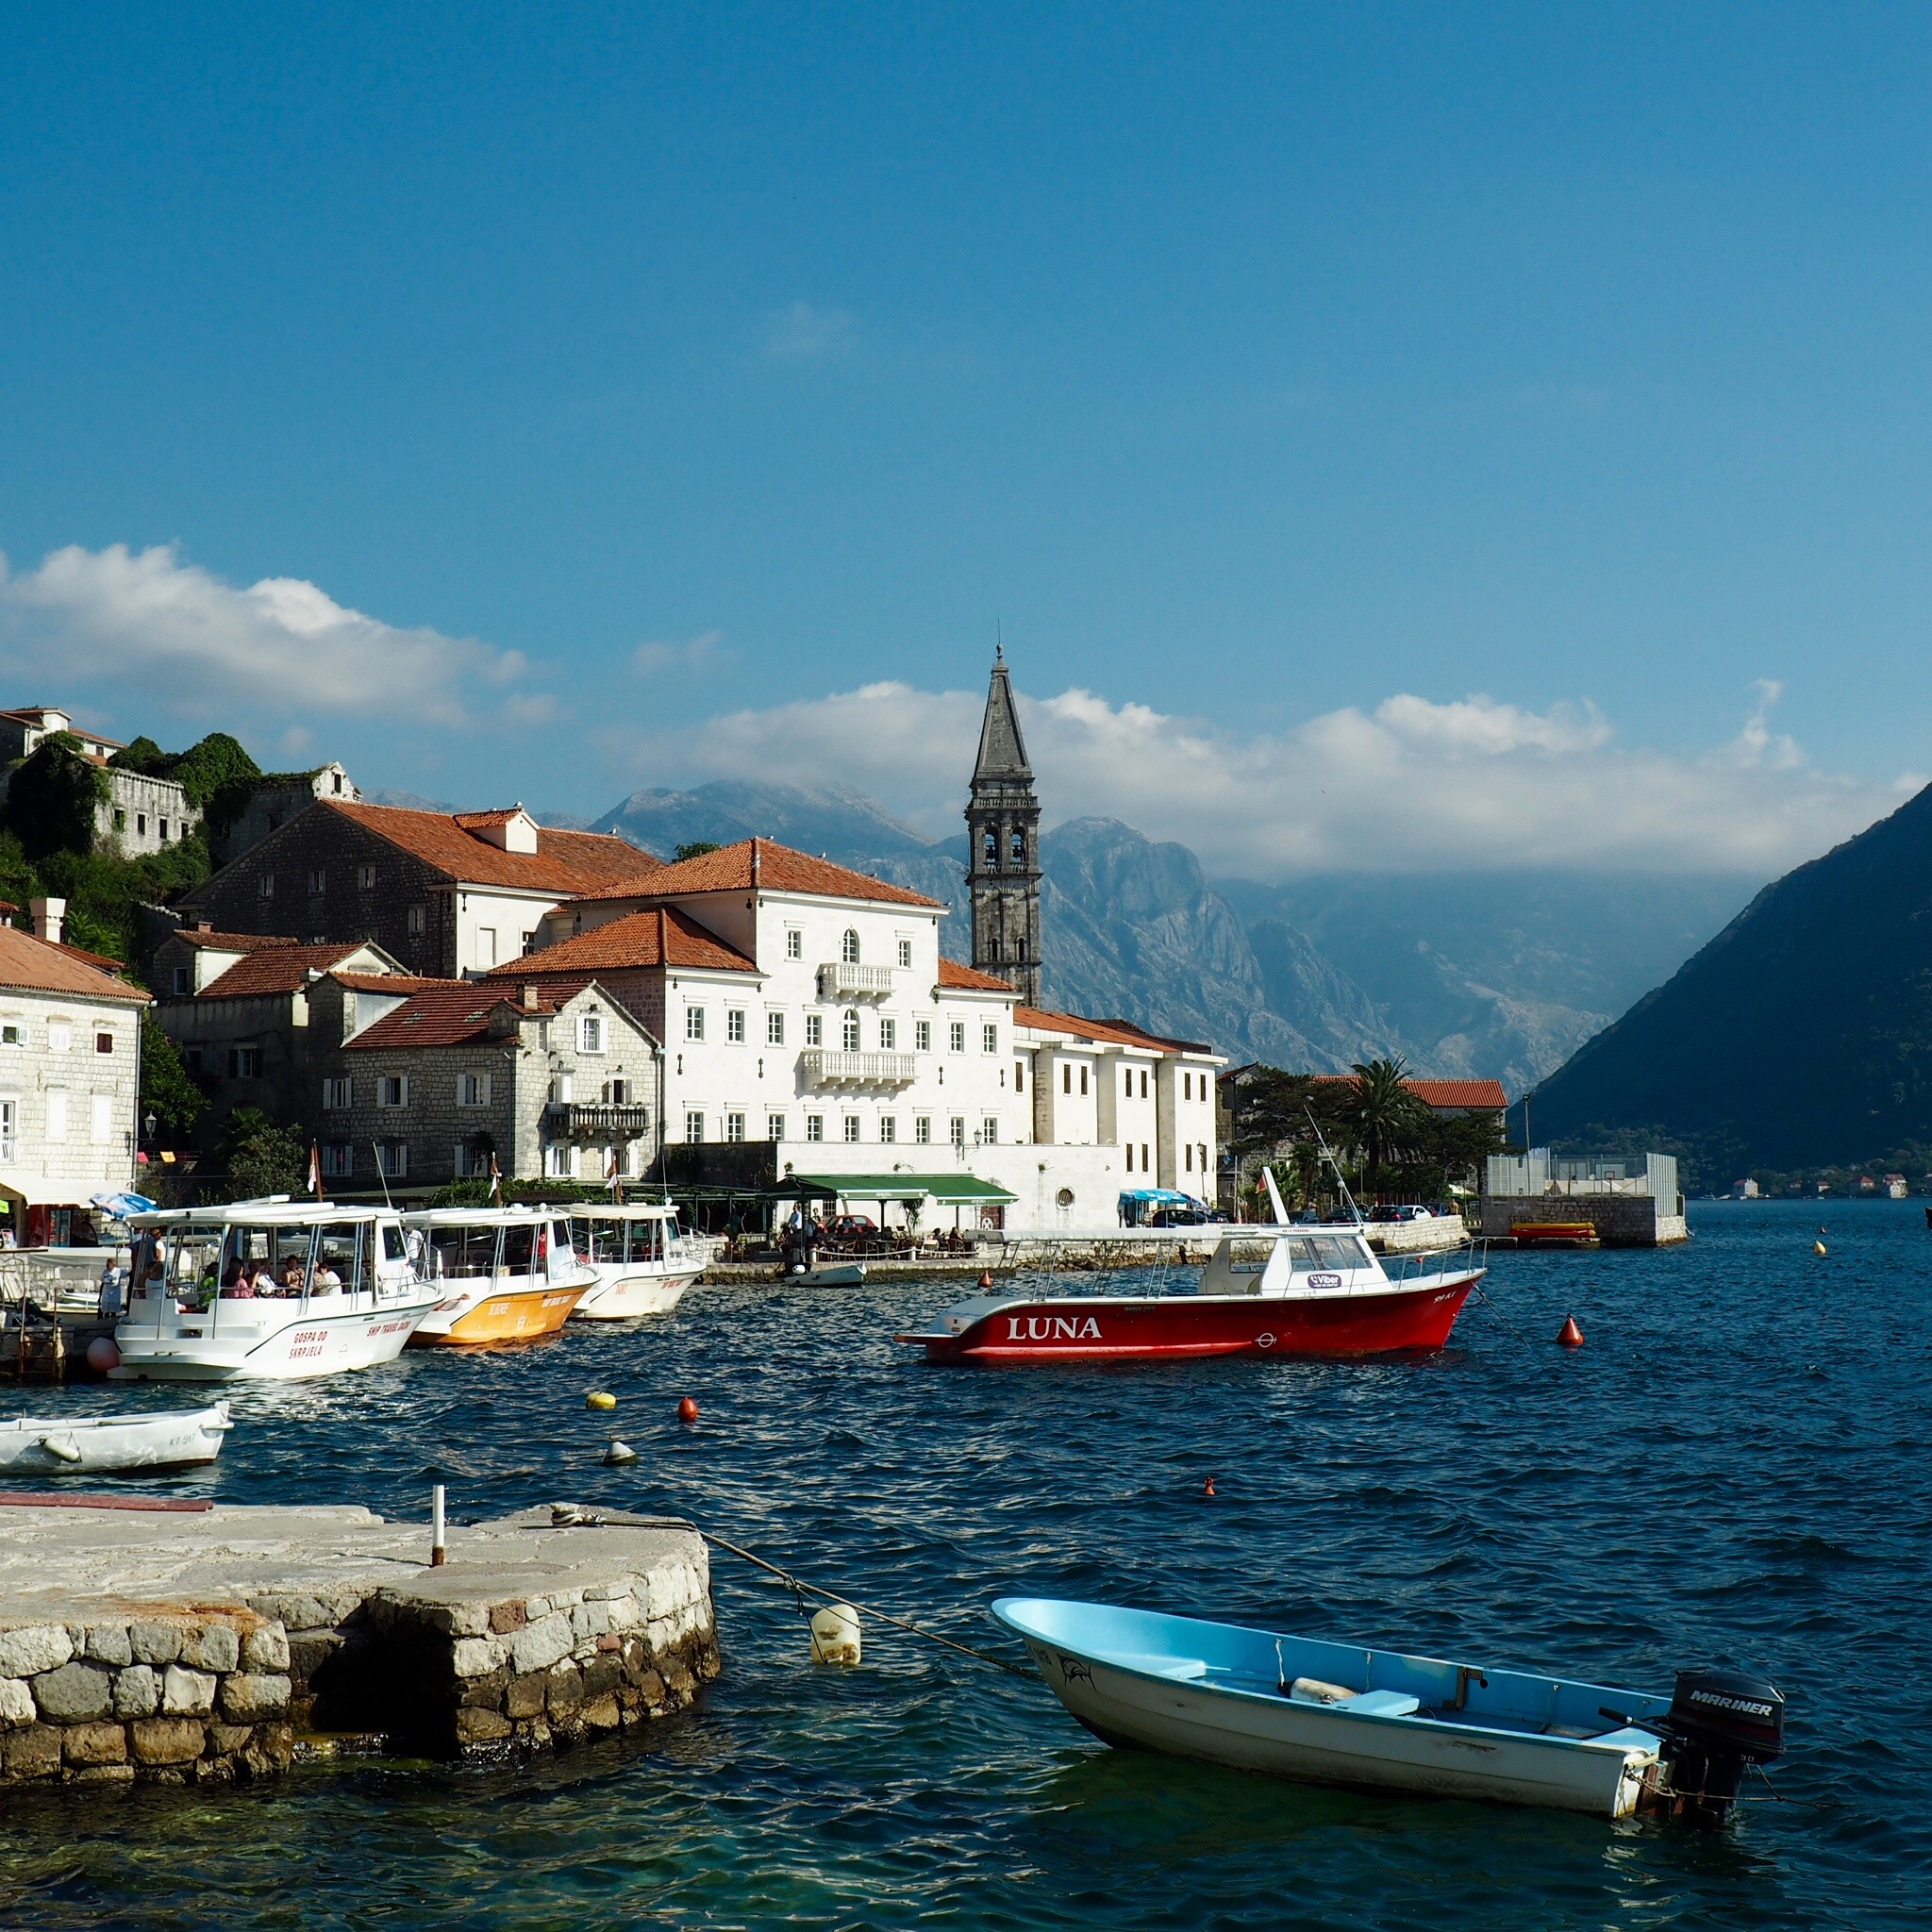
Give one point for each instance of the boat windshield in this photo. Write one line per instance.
(618, 1238)
(1326, 1252)
(458, 1253)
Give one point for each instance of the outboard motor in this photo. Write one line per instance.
(1719, 1721)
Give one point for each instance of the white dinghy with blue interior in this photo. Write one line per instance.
(104, 1445)
(1340, 1714)
(274, 1288)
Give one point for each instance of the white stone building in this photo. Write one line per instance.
(140, 814)
(69, 1079)
(809, 1008)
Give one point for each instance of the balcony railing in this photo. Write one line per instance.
(860, 1069)
(840, 980)
(569, 1120)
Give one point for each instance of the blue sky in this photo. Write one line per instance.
(604, 390)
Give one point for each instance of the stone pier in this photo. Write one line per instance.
(175, 1645)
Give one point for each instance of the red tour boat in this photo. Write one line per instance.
(1283, 1290)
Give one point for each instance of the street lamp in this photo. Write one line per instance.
(149, 1124)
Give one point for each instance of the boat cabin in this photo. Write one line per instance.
(492, 1243)
(620, 1236)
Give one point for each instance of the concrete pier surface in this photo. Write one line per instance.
(175, 1644)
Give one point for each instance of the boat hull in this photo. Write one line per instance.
(1232, 1713)
(625, 1293)
(97, 1446)
(479, 1320)
(1101, 1327)
(254, 1348)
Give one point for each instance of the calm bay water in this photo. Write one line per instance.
(1733, 1470)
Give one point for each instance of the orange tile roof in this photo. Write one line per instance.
(276, 969)
(759, 864)
(1475, 1093)
(99, 961)
(660, 936)
(1115, 1032)
(566, 863)
(970, 978)
(388, 982)
(473, 820)
(230, 941)
(35, 966)
(446, 1012)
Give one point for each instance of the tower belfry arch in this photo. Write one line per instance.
(1003, 846)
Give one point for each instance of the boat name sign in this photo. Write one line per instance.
(1057, 1327)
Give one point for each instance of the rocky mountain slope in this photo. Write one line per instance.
(1459, 975)
(1801, 1034)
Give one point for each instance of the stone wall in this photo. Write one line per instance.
(157, 1692)
(1621, 1221)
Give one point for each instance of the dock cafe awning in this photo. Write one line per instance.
(946, 1189)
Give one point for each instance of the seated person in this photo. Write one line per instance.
(293, 1276)
(326, 1279)
(237, 1283)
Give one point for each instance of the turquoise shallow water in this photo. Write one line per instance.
(1733, 1470)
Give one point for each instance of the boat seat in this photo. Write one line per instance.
(1183, 1670)
(1381, 1704)
(1629, 1739)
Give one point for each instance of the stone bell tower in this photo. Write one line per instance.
(1003, 844)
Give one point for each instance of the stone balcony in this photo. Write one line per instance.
(841, 980)
(569, 1119)
(825, 1069)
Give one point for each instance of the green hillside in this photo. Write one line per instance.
(1800, 1036)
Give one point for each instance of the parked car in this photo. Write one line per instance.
(852, 1227)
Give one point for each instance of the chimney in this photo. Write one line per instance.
(530, 1000)
(49, 917)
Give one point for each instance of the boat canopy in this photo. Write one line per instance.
(624, 1210)
(268, 1213)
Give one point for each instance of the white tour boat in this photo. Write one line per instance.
(99, 1444)
(503, 1274)
(643, 1263)
(273, 1289)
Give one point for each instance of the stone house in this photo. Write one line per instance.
(141, 815)
(409, 1083)
(69, 1079)
(275, 801)
(444, 893)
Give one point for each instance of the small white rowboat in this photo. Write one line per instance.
(1340, 1714)
(98, 1444)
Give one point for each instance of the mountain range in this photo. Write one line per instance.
(1476, 974)
(1800, 1036)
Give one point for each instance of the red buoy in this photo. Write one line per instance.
(1570, 1335)
(986, 1277)
(687, 1411)
(1207, 1487)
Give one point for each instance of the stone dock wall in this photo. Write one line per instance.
(548, 1635)
(1621, 1221)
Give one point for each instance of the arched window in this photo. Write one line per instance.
(849, 951)
(992, 846)
(851, 1033)
(1020, 848)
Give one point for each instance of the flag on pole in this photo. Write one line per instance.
(315, 1170)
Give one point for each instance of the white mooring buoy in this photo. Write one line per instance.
(834, 1635)
(620, 1452)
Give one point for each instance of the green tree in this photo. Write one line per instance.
(697, 848)
(145, 756)
(1385, 1119)
(218, 775)
(166, 1090)
(259, 1157)
(53, 799)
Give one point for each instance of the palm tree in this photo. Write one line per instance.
(1385, 1118)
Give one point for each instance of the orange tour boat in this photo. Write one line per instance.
(504, 1274)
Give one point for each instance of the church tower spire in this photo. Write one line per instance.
(1003, 846)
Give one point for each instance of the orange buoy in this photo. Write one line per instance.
(687, 1411)
(1207, 1487)
(1570, 1335)
(986, 1277)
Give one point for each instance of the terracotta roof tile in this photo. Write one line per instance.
(446, 1012)
(276, 969)
(1474, 1094)
(970, 978)
(229, 941)
(566, 863)
(759, 864)
(661, 936)
(35, 966)
(1114, 1032)
(388, 982)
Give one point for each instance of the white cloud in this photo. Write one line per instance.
(145, 622)
(1413, 784)
(800, 333)
(692, 654)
